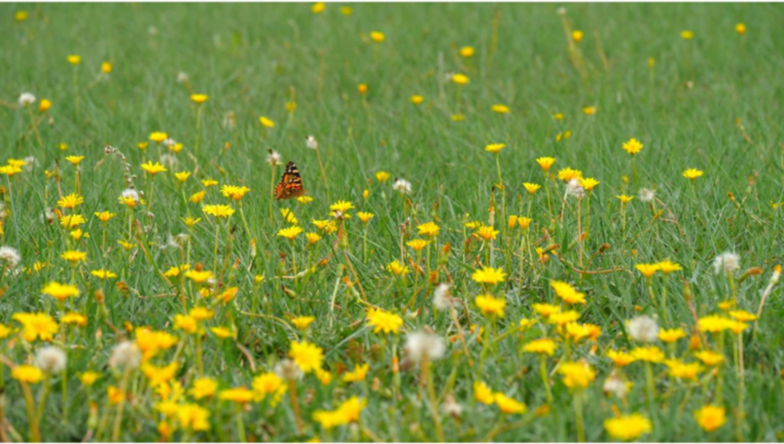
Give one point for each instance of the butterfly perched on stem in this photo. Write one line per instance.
(290, 184)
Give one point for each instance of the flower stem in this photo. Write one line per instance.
(578, 416)
(295, 405)
(431, 393)
(545, 381)
(32, 419)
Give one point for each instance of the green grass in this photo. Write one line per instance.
(253, 59)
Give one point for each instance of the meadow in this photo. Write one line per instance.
(514, 223)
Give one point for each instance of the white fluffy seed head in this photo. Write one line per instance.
(442, 299)
(273, 158)
(574, 189)
(646, 195)
(451, 406)
(125, 355)
(182, 77)
(614, 385)
(643, 329)
(26, 99)
(288, 369)
(168, 160)
(422, 344)
(9, 257)
(401, 185)
(311, 142)
(50, 359)
(131, 193)
(726, 263)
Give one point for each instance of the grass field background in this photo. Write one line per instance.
(713, 102)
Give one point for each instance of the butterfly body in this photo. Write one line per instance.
(290, 185)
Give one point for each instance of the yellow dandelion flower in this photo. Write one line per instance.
(576, 375)
(545, 346)
(460, 79)
(199, 98)
(27, 373)
(628, 427)
(364, 216)
(489, 276)
(632, 146)
(153, 168)
(307, 356)
(483, 393)
(710, 417)
(218, 211)
(531, 187)
(302, 322)
(490, 305)
(291, 232)
(508, 405)
(692, 174)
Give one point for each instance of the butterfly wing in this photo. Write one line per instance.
(290, 184)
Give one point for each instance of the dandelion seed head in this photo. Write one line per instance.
(48, 215)
(726, 263)
(50, 359)
(288, 370)
(422, 344)
(402, 186)
(30, 162)
(130, 193)
(10, 256)
(614, 385)
(643, 329)
(311, 143)
(274, 158)
(646, 195)
(442, 299)
(574, 189)
(125, 355)
(26, 99)
(168, 160)
(451, 406)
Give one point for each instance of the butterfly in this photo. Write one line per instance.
(290, 184)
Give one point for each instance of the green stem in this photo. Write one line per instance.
(578, 416)
(545, 380)
(431, 393)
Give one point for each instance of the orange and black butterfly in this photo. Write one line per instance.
(290, 184)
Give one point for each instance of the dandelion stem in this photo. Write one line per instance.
(295, 405)
(240, 424)
(215, 259)
(549, 205)
(545, 380)
(650, 387)
(198, 130)
(578, 416)
(34, 122)
(431, 393)
(244, 221)
(323, 173)
(272, 191)
(121, 406)
(32, 419)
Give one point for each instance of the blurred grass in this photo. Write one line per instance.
(249, 58)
